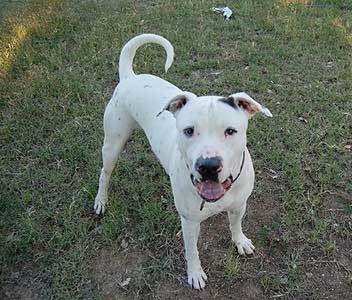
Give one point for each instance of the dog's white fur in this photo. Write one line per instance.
(164, 111)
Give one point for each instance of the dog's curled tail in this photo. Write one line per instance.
(129, 50)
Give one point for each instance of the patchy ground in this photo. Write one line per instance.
(58, 62)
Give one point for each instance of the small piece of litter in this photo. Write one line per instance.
(125, 282)
(124, 244)
(273, 174)
(225, 11)
(303, 120)
(216, 73)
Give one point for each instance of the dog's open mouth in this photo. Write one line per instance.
(211, 190)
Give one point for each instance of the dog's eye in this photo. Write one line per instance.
(230, 131)
(188, 131)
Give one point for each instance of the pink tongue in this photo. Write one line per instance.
(211, 190)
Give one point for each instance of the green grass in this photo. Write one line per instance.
(232, 264)
(58, 66)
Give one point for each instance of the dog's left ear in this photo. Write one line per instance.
(247, 104)
(177, 102)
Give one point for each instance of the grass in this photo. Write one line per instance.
(58, 63)
(232, 264)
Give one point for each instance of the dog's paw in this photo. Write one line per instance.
(99, 206)
(244, 245)
(196, 279)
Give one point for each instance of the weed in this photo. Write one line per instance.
(269, 236)
(272, 282)
(232, 264)
(329, 248)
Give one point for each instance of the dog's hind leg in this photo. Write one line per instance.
(118, 125)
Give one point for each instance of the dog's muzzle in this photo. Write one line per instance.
(210, 190)
(208, 186)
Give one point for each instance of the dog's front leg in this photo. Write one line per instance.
(196, 275)
(244, 245)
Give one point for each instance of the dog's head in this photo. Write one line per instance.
(212, 138)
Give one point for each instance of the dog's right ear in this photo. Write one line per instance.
(177, 102)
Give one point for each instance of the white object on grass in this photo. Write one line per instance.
(225, 11)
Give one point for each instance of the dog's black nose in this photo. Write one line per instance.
(208, 168)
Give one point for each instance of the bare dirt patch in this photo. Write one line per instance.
(114, 270)
(23, 281)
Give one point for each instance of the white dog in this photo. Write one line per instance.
(200, 142)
